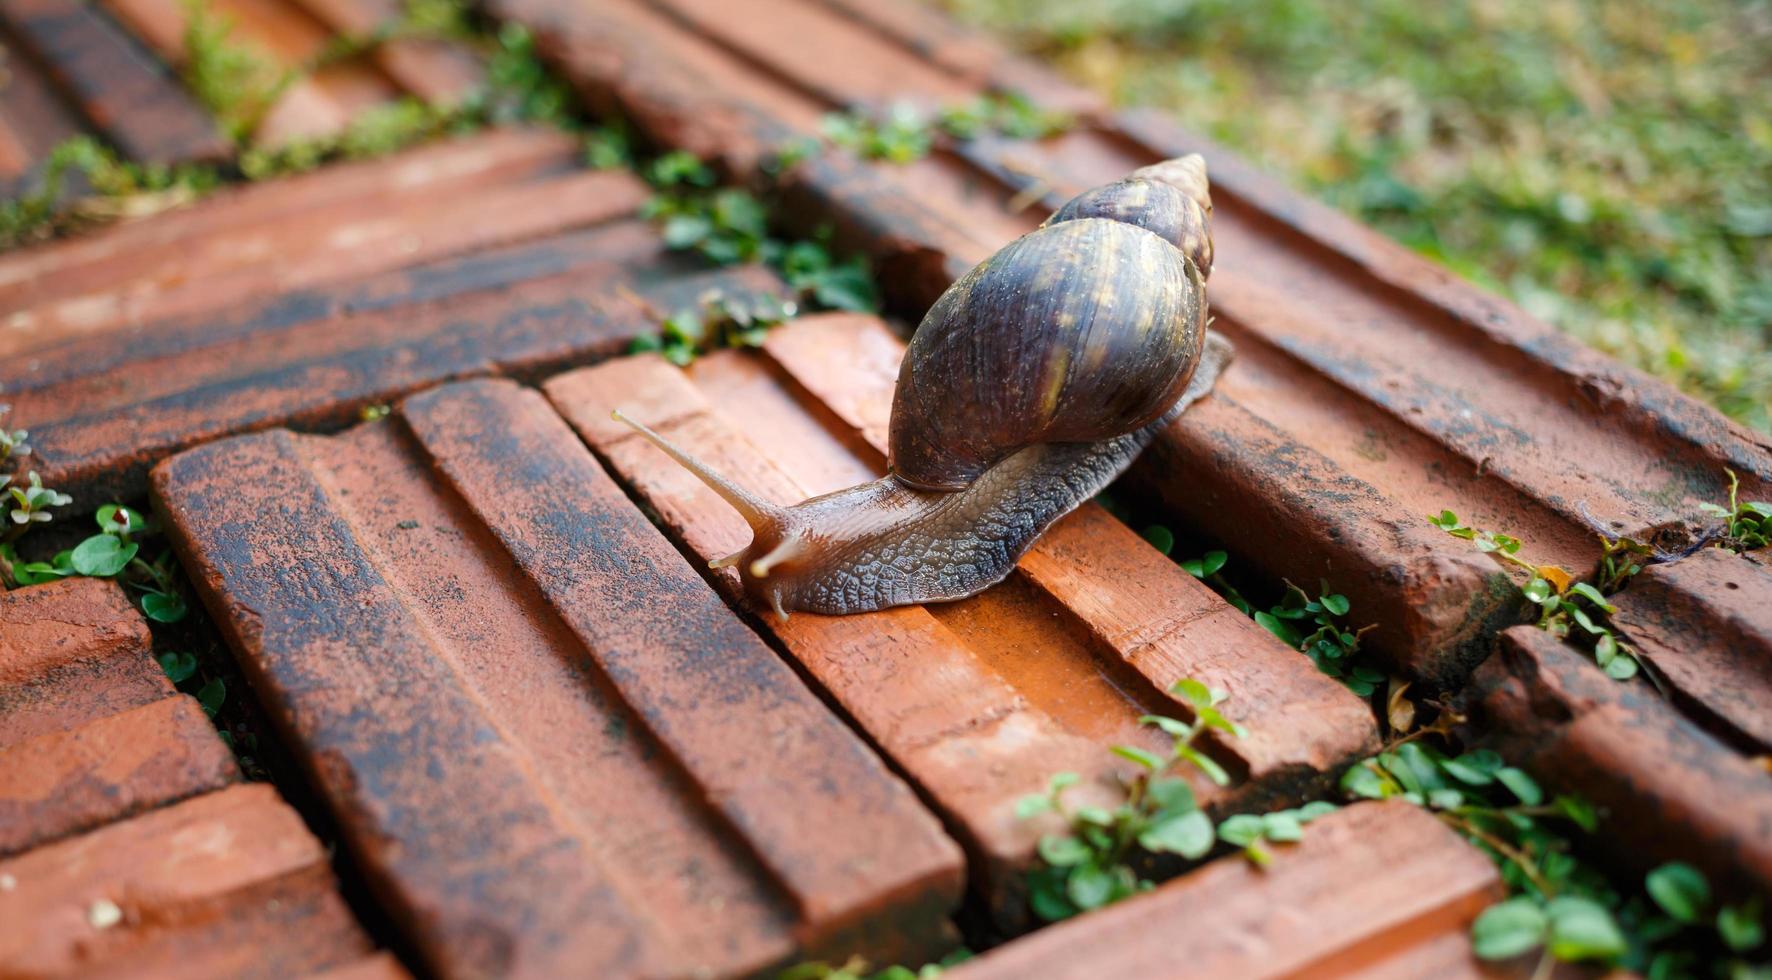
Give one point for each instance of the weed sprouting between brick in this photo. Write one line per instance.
(1570, 608)
(1092, 863)
(1561, 907)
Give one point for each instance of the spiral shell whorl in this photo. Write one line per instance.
(1168, 199)
(1083, 330)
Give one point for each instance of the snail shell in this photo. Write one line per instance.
(1083, 330)
(1032, 383)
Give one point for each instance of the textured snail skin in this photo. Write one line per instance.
(887, 543)
(1031, 384)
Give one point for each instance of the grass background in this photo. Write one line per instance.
(1607, 165)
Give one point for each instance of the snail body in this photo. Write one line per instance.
(1030, 385)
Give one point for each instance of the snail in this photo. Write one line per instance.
(1031, 384)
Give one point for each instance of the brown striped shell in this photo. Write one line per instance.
(1084, 330)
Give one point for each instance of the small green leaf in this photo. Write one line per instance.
(1171, 796)
(1362, 782)
(103, 555)
(1316, 808)
(1061, 781)
(1445, 799)
(1160, 537)
(1241, 830)
(1605, 649)
(1593, 595)
(1201, 761)
(1212, 561)
(1032, 806)
(1474, 768)
(1622, 668)
(1178, 729)
(1095, 815)
(1140, 756)
(1681, 890)
(1278, 627)
(1194, 692)
(1586, 621)
(1282, 827)
(1537, 590)
(163, 607)
(1212, 718)
(1582, 929)
(177, 666)
(1741, 927)
(1579, 812)
(212, 695)
(686, 231)
(1189, 835)
(1521, 785)
(1507, 929)
(1423, 764)
(1337, 605)
(1046, 894)
(1090, 886)
(1062, 850)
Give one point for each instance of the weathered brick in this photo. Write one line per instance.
(58, 270)
(123, 91)
(1368, 887)
(319, 103)
(67, 782)
(367, 329)
(1382, 388)
(1668, 790)
(73, 619)
(33, 119)
(381, 966)
(71, 652)
(950, 691)
(354, 238)
(467, 583)
(436, 71)
(1704, 625)
(228, 884)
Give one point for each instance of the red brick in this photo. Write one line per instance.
(381, 966)
(67, 269)
(123, 91)
(33, 121)
(102, 412)
(67, 621)
(228, 884)
(950, 691)
(726, 839)
(71, 781)
(1704, 625)
(434, 71)
(209, 274)
(1367, 887)
(284, 36)
(1668, 790)
(1381, 388)
(71, 652)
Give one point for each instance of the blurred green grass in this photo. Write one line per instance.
(1607, 165)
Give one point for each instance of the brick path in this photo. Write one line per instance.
(551, 746)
